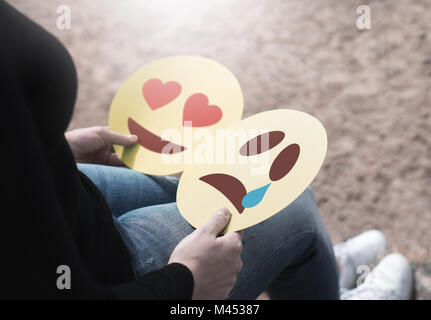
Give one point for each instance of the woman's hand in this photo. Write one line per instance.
(214, 261)
(94, 145)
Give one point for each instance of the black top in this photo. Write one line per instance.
(51, 214)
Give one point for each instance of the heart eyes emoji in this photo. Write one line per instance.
(197, 110)
(158, 94)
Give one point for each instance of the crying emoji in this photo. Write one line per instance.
(291, 146)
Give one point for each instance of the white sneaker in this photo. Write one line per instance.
(364, 249)
(391, 279)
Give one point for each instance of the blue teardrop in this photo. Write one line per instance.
(254, 197)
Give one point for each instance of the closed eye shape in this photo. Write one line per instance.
(261, 143)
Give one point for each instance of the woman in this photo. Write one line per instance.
(119, 231)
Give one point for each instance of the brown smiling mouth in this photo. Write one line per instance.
(151, 141)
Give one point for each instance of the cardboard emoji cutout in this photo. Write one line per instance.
(164, 100)
(278, 154)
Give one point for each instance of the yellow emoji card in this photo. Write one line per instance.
(264, 163)
(165, 103)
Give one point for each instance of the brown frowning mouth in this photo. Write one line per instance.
(151, 141)
(229, 186)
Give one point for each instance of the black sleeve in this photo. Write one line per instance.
(174, 281)
(35, 236)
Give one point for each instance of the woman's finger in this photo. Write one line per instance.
(240, 233)
(125, 140)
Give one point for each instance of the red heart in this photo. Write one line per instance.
(158, 94)
(197, 112)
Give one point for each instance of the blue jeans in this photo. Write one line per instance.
(289, 254)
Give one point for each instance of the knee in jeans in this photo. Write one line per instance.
(304, 211)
